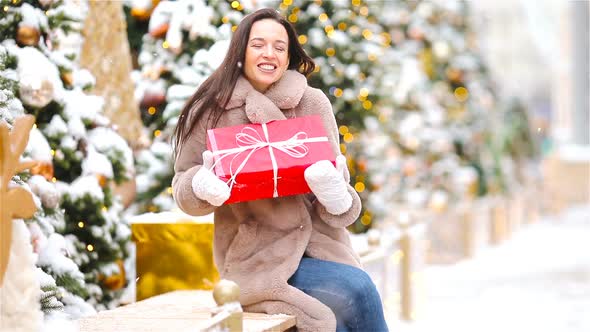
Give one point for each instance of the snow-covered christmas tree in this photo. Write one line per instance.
(428, 149)
(185, 42)
(49, 246)
(78, 233)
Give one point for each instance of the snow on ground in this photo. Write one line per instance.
(538, 280)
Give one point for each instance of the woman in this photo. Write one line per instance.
(289, 255)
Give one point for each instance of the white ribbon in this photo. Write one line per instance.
(294, 147)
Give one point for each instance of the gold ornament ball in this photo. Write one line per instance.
(144, 13)
(44, 168)
(27, 36)
(115, 281)
(68, 78)
(362, 165)
(141, 14)
(35, 92)
(226, 291)
(160, 31)
(102, 180)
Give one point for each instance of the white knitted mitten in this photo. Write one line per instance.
(207, 186)
(328, 185)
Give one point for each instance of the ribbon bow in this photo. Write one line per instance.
(294, 147)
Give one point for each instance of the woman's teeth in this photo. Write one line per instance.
(267, 67)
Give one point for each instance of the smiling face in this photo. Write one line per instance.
(267, 54)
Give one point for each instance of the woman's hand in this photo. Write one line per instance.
(207, 186)
(328, 185)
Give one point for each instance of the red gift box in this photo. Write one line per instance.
(268, 160)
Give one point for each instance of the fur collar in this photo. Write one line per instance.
(285, 94)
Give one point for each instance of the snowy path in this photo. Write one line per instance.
(539, 280)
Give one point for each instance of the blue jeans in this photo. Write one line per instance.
(347, 290)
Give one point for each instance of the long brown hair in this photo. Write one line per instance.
(215, 93)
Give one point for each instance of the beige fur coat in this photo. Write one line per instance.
(258, 244)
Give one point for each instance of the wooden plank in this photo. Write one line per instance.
(252, 322)
(267, 323)
(175, 311)
(202, 298)
(141, 324)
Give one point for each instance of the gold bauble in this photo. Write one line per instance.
(160, 31)
(68, 78)
(141, 14)
(115, 281)
(43, 168)
(102, 180)
(226, 291)
(27, 36)
(362, 165)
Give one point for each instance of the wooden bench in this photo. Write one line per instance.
(187, 310)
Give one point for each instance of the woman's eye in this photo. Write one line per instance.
(257, 45)
(280, 49)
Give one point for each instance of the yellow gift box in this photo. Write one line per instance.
(174, 251)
